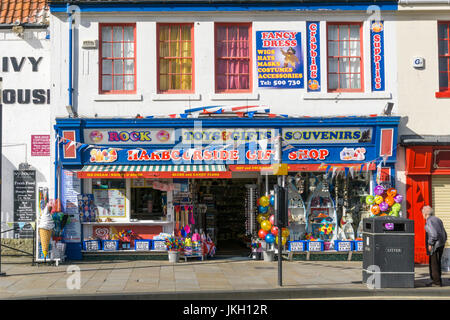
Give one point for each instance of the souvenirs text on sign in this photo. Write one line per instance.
(327, 135)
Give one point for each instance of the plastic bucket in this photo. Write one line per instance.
(268, 256)
(174, 256)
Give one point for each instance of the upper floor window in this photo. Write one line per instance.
(345, 63)
(444, 56)
(175, 58)
(233, 62)
(117, 58)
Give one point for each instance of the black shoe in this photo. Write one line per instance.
(431, 284)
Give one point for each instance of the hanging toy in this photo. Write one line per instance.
(398, 198)
(262, 209)
(379, 190)
(370, 200)
(379, 199)
(383, 206)
(390, 201)
(264, 201)
(391, 192)
(375, 209)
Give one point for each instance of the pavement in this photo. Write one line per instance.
(218, 279)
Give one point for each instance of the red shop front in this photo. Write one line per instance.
(427, 183)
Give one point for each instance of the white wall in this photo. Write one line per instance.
(20, 121)
(422, 113)
(147, 102)
(417, 35)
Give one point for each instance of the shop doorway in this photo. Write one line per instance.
(224, 218)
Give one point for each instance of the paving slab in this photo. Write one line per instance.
(210, 279)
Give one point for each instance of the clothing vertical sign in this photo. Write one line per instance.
(313, 56)
(377, 55)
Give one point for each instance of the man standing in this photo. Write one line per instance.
(435, 238)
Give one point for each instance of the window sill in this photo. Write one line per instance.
(176, 97)
(234, 96)
(348, 96)
(443, 94)
(118, 97)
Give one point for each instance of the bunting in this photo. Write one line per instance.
(21, 225)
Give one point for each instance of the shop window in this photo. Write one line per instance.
(345, 61)
(233, 62)
(148, 203)
(175, 58)
(117, 58)
(334, 202)
(110, 198)
(444, 59)
(108, 184)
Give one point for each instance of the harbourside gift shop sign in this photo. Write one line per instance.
(233, 146)
(279, 59)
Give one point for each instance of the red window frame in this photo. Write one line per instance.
(192, 90)
(100, 78)
(361, 56)
(444, 92)
(249, 58)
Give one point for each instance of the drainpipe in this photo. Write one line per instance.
(56, 165)
(70, 104)
(70, 89)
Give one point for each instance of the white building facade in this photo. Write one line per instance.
(423, 104)
(26, 125)
(329, 67)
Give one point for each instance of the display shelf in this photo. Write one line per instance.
(123, 251)
(129, 223)
(320, 206)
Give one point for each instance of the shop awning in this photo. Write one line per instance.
(204, 171)
(267, 168)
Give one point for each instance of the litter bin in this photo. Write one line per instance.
(388, 251)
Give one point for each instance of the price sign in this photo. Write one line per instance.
(344, 246)
(92, 246)
(315, 246)
(109, 245)
(359, 245)
(159, 245)
(142, 245)
(297, 246)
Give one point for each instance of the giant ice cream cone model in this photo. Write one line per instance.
(45, 236)
(46, 226)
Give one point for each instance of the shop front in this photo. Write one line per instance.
(427, 183)
(129, 183)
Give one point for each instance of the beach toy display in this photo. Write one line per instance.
(385, 202)
(268, 231)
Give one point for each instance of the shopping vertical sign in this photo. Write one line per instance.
(279, 59)
(377, 55)
(313, 55)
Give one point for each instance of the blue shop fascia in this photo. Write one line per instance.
(128, 153)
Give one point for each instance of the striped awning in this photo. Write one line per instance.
(155, 171)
